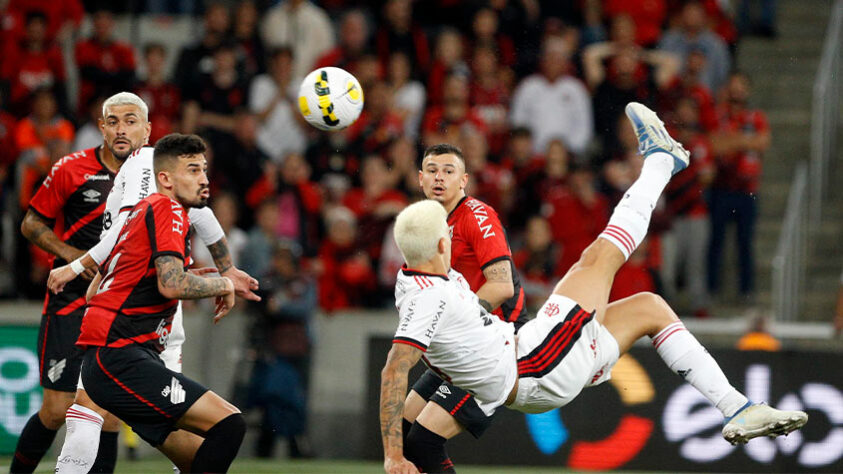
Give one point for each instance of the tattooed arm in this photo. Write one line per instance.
(244, 284)
(175, 283)
(400, 360)
(498, 287)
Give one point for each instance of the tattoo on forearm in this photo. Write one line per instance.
(171, 274)
(222, 257)
(393, 391)
(485, 304)
(37, 231)
(499, 272)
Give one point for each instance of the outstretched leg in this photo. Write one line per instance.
(647, 314)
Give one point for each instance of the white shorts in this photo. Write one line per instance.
(172, 354)
(560, 352)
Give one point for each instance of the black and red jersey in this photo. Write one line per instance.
(477, 241)
(128, 308)
(73, 196)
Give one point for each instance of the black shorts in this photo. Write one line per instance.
(456, 401)
(132, 383)
(59, 358)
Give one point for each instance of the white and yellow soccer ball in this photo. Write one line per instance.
(330, 98)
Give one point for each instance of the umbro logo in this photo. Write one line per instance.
(56, 369)
(92, 195)
(174, 391)
(443, 391)
(684, 373)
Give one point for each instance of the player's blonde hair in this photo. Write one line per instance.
(126, 98)
(418, 229)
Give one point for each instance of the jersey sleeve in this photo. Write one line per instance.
(419, 318)
(206, 224)
(53, 192)
(103, 248)
(486, 236)
(167, 226)
(138, 182)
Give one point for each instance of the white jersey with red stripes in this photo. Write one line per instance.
(461, 341)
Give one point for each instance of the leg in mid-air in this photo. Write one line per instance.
(589, 281)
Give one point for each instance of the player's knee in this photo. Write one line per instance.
(53, 411)
(232, 427)
(110, 423)
(655, 310)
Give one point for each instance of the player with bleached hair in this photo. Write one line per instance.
(573, 342)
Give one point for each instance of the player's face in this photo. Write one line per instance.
(443, 178)
(124, 130)
(190, 181)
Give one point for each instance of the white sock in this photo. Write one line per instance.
(631, 217)
(685, 356)
(81, 442)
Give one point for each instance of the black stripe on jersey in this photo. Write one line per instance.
(150, 229)
(456, 207)
(411, 272)
(125, 208)
(558, 343)
(495, 260)
(145, 293)
(411, 342)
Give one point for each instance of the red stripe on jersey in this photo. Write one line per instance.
(44, 346)
(556, 344)
(460, 404)
(83, 221)
(410, 343)
(129, 390)
(126, 341)
(160, 308)
(72, 306)
(418, 282)
(518, 306)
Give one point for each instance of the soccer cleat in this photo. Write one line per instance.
(760, 419)
(653, 137)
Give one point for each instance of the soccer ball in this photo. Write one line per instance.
(330, 98)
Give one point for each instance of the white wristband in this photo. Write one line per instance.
(77, 266)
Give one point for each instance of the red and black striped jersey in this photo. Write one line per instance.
(128, 308)
(477, 241)
(73, 197)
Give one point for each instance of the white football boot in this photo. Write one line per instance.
(754, 420)
(653, 137)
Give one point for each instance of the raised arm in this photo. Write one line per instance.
(37, 230)
(175, 283)
(498, 287)
(401, 358)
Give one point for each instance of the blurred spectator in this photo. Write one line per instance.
(688, 85)
(30, 63)
(634, 276)
(402, 157)
(161, 96)
(490, 183)
(490, 90)
(684, 243)
(63, 16)
(398, 33)
(375, 204)
(556, 166)
(528, 170)
(577, 214)
(196, 61)
(486, 33)
(449, 59)
(346, 277)
(281, 342)
(301, 26)
(226, 210)
(444, 123)
(250, 49)
(298, 199)
(238, 170)
(354, 42)
(89, 134)
(212, 102)
(390, 262)
(758, 337)
(256, 255)
(743, 136)
(8, 147)
(537, 260)
(272, 99)
(648, 17)
(408, 95)
(106, 66)
(378, 125)
(693, 33)
(763, 24)
(554, 104)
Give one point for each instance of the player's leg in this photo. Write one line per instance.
(40, 430)
(84, 420)
(180, 447)
(223, 428)
(417, 398)
(647, 314)
(424, 444)
(588, 282)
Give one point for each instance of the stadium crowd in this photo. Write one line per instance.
(532, 91)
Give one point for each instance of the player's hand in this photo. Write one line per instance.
(399, 466)
(59, 277)
(225, 302)
(244, 284)
(89, 273)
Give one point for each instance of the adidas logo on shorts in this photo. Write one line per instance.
(175, 391)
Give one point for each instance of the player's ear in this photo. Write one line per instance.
(165, 179)
(464, 181)
(146, 134)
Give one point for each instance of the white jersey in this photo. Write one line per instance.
(462, 342)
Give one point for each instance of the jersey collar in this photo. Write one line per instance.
(411, 272)
(459, 203)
